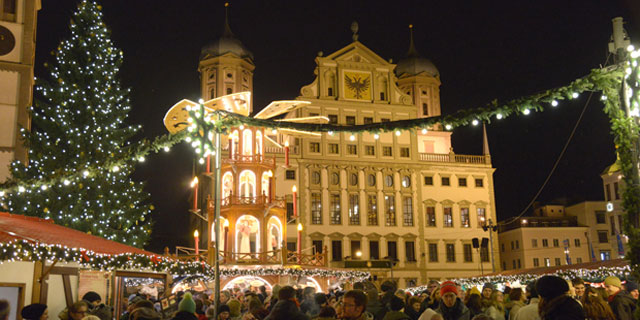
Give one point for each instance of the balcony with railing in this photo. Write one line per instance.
(261, 200)
(252, 159)
(456, 158)
(277, 257)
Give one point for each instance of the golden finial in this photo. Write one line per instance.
(226, 4)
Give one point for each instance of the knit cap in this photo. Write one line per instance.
(187, 303)
(33, 311)
(234, 307)
(448, 286)
(613, 281)
(630, 286)
(549, 287)
(488, 285)
(91, 296)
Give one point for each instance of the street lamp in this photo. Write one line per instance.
(491, 228)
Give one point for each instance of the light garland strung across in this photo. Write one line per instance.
(22, 250)
(590, 275)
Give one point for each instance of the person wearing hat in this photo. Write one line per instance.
(530, 311)
(224, 313)
(451, 307)
(632, 288)
(96, 307)
(35, 311)
(620, 301)
(396, 313)
(555, 302)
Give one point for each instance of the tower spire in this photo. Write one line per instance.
(485, 141)
(227, 28)
(412, 48)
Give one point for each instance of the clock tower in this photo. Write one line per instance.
(17, 52)
(226, 66)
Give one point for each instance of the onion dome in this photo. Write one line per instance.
(228, 43)
(414, 64)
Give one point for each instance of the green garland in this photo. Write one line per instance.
(22, 250)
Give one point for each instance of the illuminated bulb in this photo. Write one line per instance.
(200, 101)
(66, 182)
(1, 193)
(554, 103)
(575, 95)
(603, 98)
(352, 137)
(166, 149)
(196, 234)
(424, 131)
(274, 131)
(526, 112)
(299, 226)
(201, 160)
(194, 182)
(294, 189)
(189, 120)
(474, 122)
(43, 187)
(188, 139)
(21, 189)
(330, 133)
(630, 48)
(376, 136)
(188, 108)
(141, 159)
(241, 127)
(499, 116)
(448, 127)
(398, 133)
(85, 173)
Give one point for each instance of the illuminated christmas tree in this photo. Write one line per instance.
(79, 120)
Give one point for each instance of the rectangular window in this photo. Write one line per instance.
(545, 243)
(547, 262)
(479, 183)
(352, 149)
(482, 212)
(390, 210)
(290, 175)
(374, 250)
(556, 243)
(558, 262)
(314, 147)
(290, 219)
(392, 249)
(431, 216)
(317, 246)
(517, 244)
(410, 251)
(607, 189)
(316, 208)
(428, 181)
(407, 211)
(451, 252)
(536, 262)
(619, 224)
(433, 252)
(484, 254)
(612, 222)
(372, 209)
(578, 260)
(351, 120)
(603, 237)
(605, 255)
(291, 246)
(576, 242)
(367, 120)
(465, 222)
(504, 265)
(387, 151)
(600, 217)
(616, 192)
(336, 250)
(519, 264)
(355, 248)
(333, 118)
(513, 263)
(336, 217)
(446, 181)
(512, 246)
(468, 252)
(534, 243)
(462, 182)
(448, 217)
(404, 152)
(370, 150)
(354, 209)
(385, 119)
(502, 245)
(334, 148)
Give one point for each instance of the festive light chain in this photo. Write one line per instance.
(21, 250)
(590, 275)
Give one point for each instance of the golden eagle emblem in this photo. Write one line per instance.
(357, 84)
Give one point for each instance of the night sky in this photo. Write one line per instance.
(484, 50)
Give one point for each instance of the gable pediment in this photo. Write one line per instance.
(358, 53)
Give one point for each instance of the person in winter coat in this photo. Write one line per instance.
(620, 301)
(594, 306)
(309, 305)
(474, 304)
(530, 311)
(96, 307)
(451, 307)
(412, 309)
(496, 308)
(396, 313)
(35, 311)
(388, 291)
(517, 299)
(555, 302)
(354, 304)
(287, 306)
(374, 306)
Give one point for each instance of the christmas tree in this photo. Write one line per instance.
(79, 121)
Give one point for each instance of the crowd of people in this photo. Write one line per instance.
(547, 298)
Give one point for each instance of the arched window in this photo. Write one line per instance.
(234, 144)
(227, 184)
(247, 185)
(229, 91)
(274, 234)
(223, 241)
(247, 142)
(212, 93)
(247, 235)
(258, 142)
(265, 182)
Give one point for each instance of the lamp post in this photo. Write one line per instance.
(491, 228)
(196, 238)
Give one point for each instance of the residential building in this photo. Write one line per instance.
(613, 184)
(549, 238)
(603, 228)
(17, 53)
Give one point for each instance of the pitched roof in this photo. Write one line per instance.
(18, 227)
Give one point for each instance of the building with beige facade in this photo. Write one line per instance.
(403, 196)
(612, 184)
(17, 54)
(551, 237)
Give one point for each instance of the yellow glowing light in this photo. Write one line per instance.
(358, 254)
(196, 234)
(299, 226)
(194, 182)
(226, 224)
(294, 189)
(286, 143)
